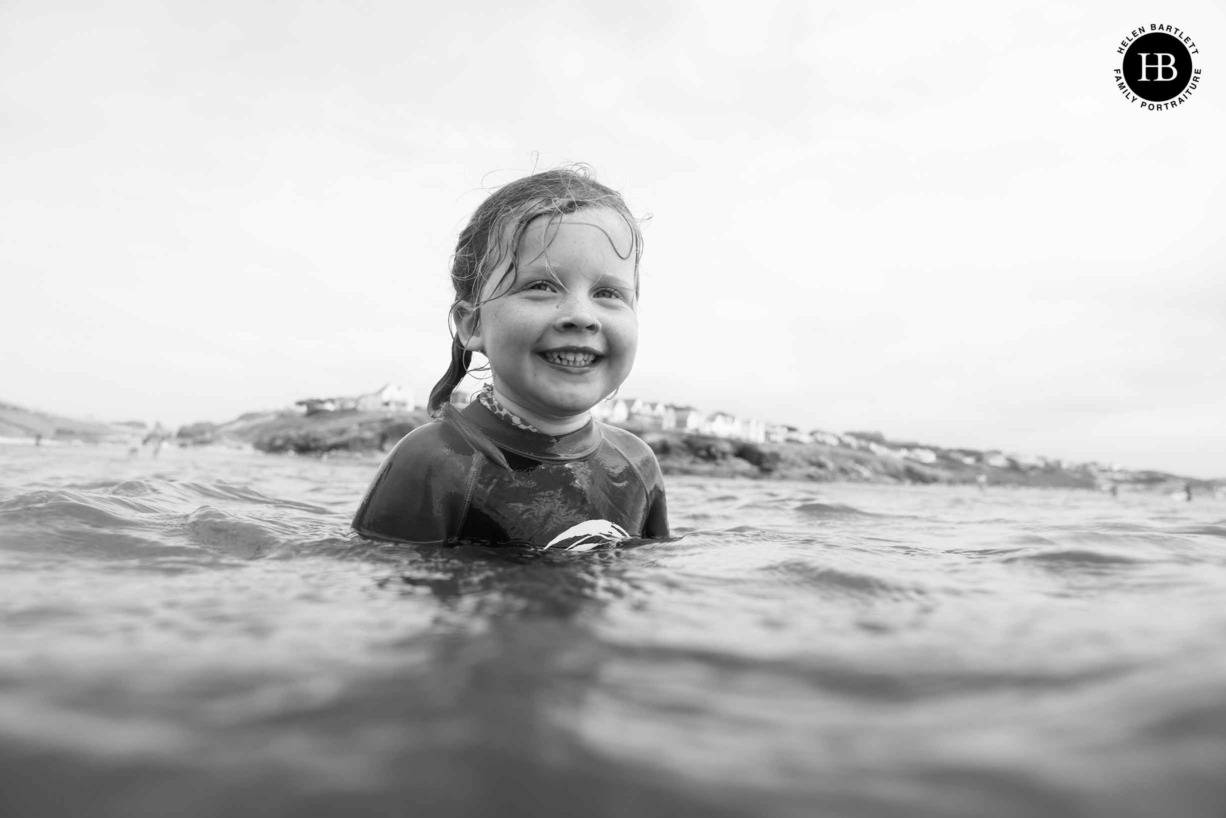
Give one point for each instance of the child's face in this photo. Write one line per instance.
(561, 332)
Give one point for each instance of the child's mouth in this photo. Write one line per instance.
(571, 358)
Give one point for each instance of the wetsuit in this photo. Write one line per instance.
(438, 486)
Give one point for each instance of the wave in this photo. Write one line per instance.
(1074, 557)
(1208, 530)
(160, 517)
(846, 583)
(831, 510)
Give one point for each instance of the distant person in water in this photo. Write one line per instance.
(1187, 490)
(156, 438)
(546, 278)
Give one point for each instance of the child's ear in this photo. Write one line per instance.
(467, 326)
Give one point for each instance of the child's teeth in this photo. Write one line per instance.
(572, 358)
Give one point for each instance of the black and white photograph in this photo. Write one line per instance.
(798, 409)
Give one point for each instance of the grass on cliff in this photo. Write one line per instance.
(288, 431)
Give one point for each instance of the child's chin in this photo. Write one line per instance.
(570, 408)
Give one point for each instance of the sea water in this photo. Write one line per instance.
(201, 635)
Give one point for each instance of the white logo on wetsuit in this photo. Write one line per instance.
(588, 535)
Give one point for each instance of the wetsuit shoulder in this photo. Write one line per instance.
(421, 492)
(632, 447)
(643, 460)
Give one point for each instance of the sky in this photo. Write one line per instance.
(937, 220)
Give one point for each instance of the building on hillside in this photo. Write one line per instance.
(870, 442)
(644, 414)
(828, 438)
(783, 433)
(776, 433)
(794, 435)
(388, 398)
(720, 424)
(463, 397)
(998, 460)
(615, 411)
(723, 424)
(920, 455)
(634, 412)
(651, 414)
(686, 419)
(314, 406)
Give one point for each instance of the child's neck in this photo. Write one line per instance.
(547, 425)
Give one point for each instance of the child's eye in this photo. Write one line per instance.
(610, 292)
(540, 286)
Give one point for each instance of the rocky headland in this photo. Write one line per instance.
(695, 454)
(859, 457)
(853, 456)
(20, 423)
(291, 432)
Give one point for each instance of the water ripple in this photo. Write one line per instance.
(175, 643)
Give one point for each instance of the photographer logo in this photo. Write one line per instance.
(1157, 72)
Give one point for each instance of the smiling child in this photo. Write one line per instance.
(546, 276)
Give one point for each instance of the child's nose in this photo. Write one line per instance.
(577, 312)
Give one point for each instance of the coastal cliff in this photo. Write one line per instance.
(288, 431)
(698, 455)
(868, 458)
(851, 457)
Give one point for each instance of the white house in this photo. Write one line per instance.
(783, 433)
(794, 435)
(312, 406)
(720, 424)
(652, 414)
(920, 455)
(614, 411)
(686, 419)
(388, 398)
(753, 431)
(723, 424)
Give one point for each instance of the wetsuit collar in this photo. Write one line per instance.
(536, 445)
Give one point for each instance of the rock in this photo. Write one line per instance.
(711, 449)
(197, 434)
(324, 432)
(767, 461)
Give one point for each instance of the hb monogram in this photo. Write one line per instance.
(1160, 66)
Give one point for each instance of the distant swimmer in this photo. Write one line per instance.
(982, 480)
(156, 438)
(1187, 491)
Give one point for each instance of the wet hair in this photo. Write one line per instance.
(493, 234)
